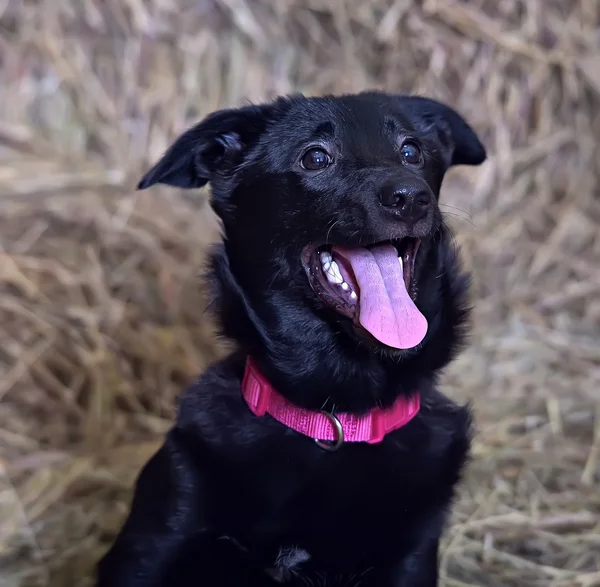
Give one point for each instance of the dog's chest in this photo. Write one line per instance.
(335, 515)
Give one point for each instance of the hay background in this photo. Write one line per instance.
(100, 302)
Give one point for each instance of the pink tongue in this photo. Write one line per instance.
(386, 309)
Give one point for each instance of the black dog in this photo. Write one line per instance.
(341, 285)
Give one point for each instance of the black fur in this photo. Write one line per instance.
(236, 500)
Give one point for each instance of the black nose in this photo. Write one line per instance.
(408, 201)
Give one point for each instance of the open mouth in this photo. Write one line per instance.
(373, 286)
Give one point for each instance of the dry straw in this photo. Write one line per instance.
(100, 297)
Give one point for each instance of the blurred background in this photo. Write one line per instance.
(101, 301)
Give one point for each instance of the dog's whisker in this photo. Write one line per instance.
(460, 217)
(275, 277)
(329, 231)
(360, 237)
(456, 208)
(324, 405)
(452, 237)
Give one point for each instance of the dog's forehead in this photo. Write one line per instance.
(347, 114)
(347, 118)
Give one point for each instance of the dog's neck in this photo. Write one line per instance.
(329, 429)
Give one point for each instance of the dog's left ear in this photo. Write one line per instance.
(460, 143)
(213, 146)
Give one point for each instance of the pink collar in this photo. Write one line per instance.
(328, 430)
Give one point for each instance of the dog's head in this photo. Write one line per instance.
(333, 234)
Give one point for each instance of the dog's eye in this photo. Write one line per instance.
(315, 159)
(411, 153)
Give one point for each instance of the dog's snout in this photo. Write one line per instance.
(409, 202)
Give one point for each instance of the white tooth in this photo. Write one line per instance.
(401, 263)
(336, 272)
(345, 286)
(325, 256)
(326, 265)
(353, 295)
(330, 277)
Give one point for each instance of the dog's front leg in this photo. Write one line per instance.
(167, 510)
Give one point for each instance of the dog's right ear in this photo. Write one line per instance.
(215, 145)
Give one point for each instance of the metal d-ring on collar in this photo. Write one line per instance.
(338, 434)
